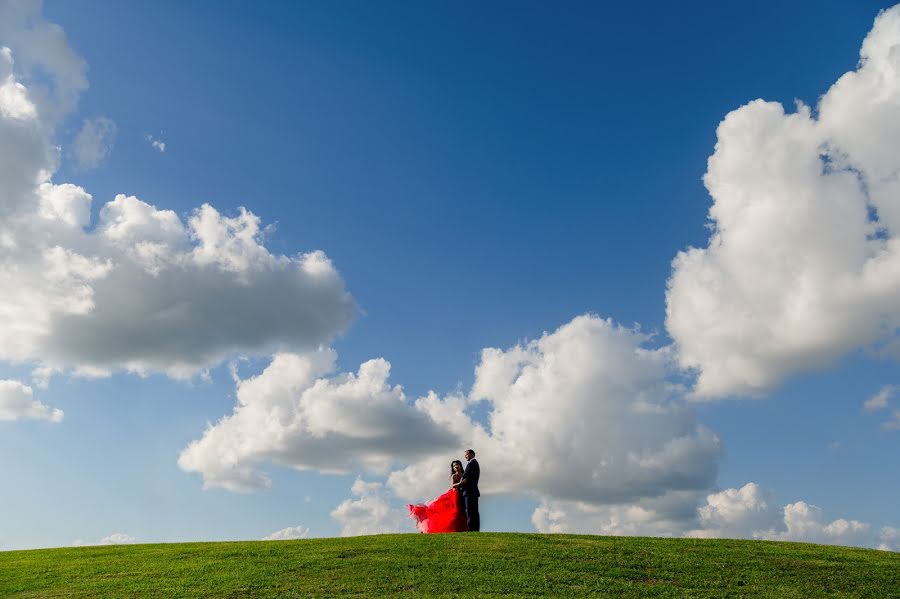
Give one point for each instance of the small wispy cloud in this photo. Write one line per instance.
(288, 534)
(17, 403)
(94, 142)
(156, 143)
(879, 401)
(118, 538)
(894, 423)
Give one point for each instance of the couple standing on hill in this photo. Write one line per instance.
(457, 509)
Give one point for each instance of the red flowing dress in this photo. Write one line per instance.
(446, 513)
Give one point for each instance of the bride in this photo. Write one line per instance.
(445, 513)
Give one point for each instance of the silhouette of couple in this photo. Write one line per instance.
(457, 509)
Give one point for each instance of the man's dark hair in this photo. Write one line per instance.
(472, 451)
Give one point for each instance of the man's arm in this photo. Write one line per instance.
(471, 473)
(465, 477)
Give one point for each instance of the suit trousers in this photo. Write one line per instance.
(472, 517)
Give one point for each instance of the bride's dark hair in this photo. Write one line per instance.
(455, 462)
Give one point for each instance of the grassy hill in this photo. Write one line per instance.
(462, 564)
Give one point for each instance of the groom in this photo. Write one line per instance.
(469, 486)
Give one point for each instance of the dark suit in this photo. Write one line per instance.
(471, 494)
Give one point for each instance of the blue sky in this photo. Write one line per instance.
(477, 177)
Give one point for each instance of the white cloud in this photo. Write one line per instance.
(748, 513)
(736, 512)
(744, 513)
(294, 414)
(582, 414)
(118, 538)
(156, 144)
(68, 204)
(288, 534)
(26, 155)
(15, 103)
(797, 272)
(94, 142)
(582, 418)
(142, 291)
(805, 522)
(889, 538)
(879, 401)
(670, 514)
(17, 403)
(53, 72)
(893, 423)
(370, 513)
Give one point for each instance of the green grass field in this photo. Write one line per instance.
(484, 564)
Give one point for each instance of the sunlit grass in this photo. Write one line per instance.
(481, 564)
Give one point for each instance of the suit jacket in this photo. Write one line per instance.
(470, 475)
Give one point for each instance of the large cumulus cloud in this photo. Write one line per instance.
(584, 413)
(748, 512)
(140, 288)
(670, 514)
(144, 291)
(369, 512)
(803, 264)
(298, 413)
